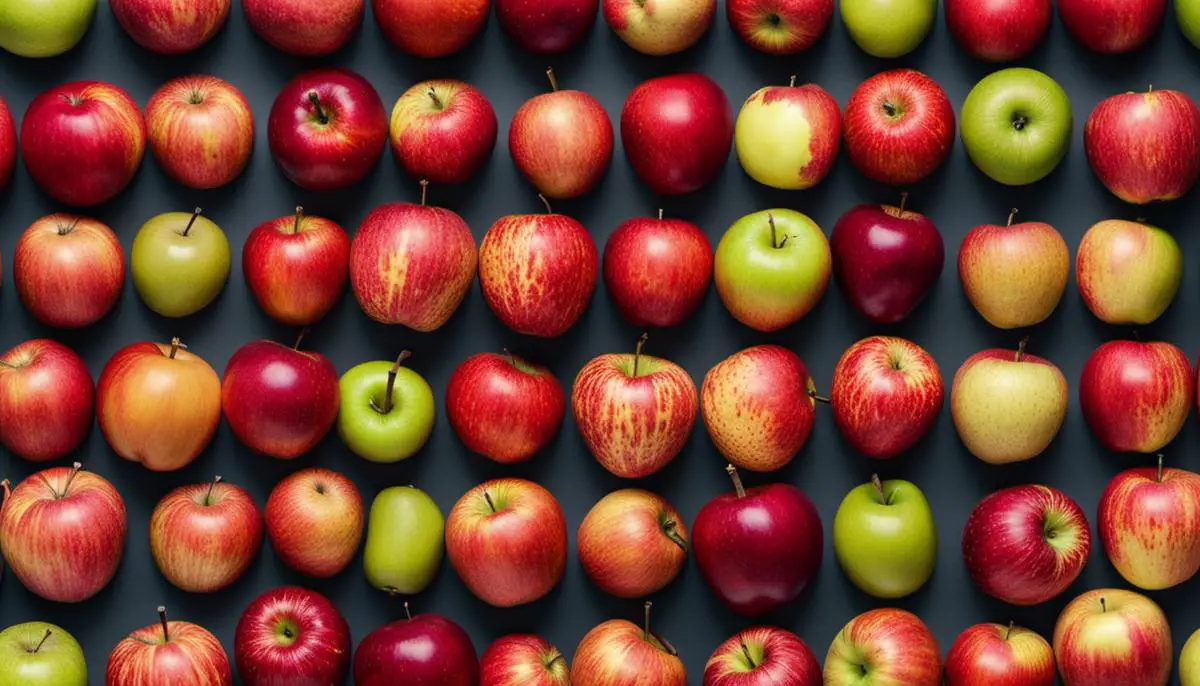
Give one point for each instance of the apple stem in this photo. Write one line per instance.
(637, 351)
(176, 344)
(671, 529)
(546, 203)
(45, 637)
(162, 617)
(771, 223)
(424, 190)
(646, 627)
(1103, 605)
(75, 467)
(315, 99)
(1021, 349)
(437, 102)
(300, 339)
(1158, 474)
(792, 81)
(391, 382)
(1011, 213)
(819, 398)
(211, 487)
(6, 490)
(488, 497)
(558, 657)
(878, 483)
(746, 652)
(737, 480)
(660, 214)
(195, 215)
(299, 218)
(903, 200)
(407, 612)
(1150, 89)
(550, 76)
(68, 228)
(7, 365)
(1011, 625)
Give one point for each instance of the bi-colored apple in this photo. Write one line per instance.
(442, 131)
(69, 270)
(561, 141)
(292, 635)
(632, 543)
(429, 29)
(305, 28)
(169, 27)
(177, 653)
(523, 660)
(657, 271)
(621, 652)
(1113, 636)
(296, 266)
(788, 136)
(200, 130)
(1128, 272)
(1001, 655)
(660, 28)
(884, 646)
(763, 656)
(46, 400)
(314, 520)
(779, 27)
(1136, 395)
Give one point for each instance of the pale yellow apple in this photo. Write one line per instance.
(659, 27)
(787, 136)
(1189, 661)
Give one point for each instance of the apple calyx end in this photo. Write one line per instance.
(191, 221)
(45, 637)
(552, 79)
(737, 480)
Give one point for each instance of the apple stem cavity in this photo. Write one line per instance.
(437, 102)
(45, 637)
(737, 480)
(75, 467)
(391, 381)
(195, 215)
(1011, 213)
(546, 203)
(407, 611)
(211, 487)
(878, 484)
(637, 352)
(299, 218)
(64, 229)
(1021, 349)
(553, 81)
(1019, 121)
(424, 190)
(322, 115)
(1158, 473)
(176, 344)
(162, 618)
(749, 658)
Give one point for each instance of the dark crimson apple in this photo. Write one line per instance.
(998, 30)
(547, 27)
(425, 650)
(292, 636)
(8, 144)
(1112, 26)
(657, 270)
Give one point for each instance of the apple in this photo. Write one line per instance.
(1189, 658)
(69, 270)
(632, 543)
(788, 136)
(997, 654)
(429, 650)
(1008, 406)
(292, 635)
(296, 266)
(503, 407)
(405, 541)
(620, 652)
(1136, 396)
(1187, 13)
(657, 271)
(307, 28)
(158, 404)
(885, 538)
(46, 400)
(83, 141)
(429, 29)
(178, 653)
(1112, 26)
(763, 656)
(412, 264)
(39, 653)
(544, 27)
(179, 262)
(62, 531)
(507, 540)
(523, 660)
(386, 410)
(886, 394)
(561, 141)
(200, 129)
(31, 28)
(998, 31)
(1128, 272)
(8, 144)
(676, 131)
(204, 537)
(888, 28)
(899, 127)
(1026, 544)
(1113, 636)
(167, 27)
(314, 520)
(771, 268)
(1016, 125)
(661, 28)
(884, 646)
(779, 27)
(1014, 275)
(442, 131)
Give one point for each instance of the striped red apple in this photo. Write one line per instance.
(899, 127)
(47, 400)
(763, 656)
(314, 520)
(1113, 636)
(1001, 656)
(200, 130)
(428, 29)
(442, 131)
(69, 270)
(523, 660)
(621, 652)
(292, 635)
(204, 536)
(296, 267)
(167, 27)
(657, 271)
(884, 646)
(177, 653)
(1136, 395)
(1128, 272)
(632, 543)
(308, 28)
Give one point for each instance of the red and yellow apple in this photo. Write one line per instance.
(1014, 274)
(47, 400)
(1113, 636)
(176, 653)
(314, 520)
(621, 652)
(884, 646)
(1136, 396)
(659, 28)
(788, 136)
(200, 130)
(169, 27)
(523, 660)
(69, 270)
(1128, 272)
(296, 267)
(442, 130)
(999, 655)
(763, 656)
(899, 127)
(632, 543)
(779, 27)
(429, 29)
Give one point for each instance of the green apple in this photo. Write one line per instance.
(179, 262)
(771, 268)
(1187, 12)
(44, 28)
(405, 540)
(1189, 661)
(884, 537)
(1016, 125)
(387, 411)
(888, 28)
(40, 654)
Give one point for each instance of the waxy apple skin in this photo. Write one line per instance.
(296, 266)
(657, 271)
(1113, 636)
(292, 636)
(632, 543)
(788, 136)
(762, 656)
(1014, 275)
(621, 653)
(1128, 272)
(442, 131)
(899, 127)
(314, 520)
(523, 660)
(68, 270)
(884, 646)
(176, 653)
(1111, 26)
(999, 655)
(168, 27)
(561, 142)
(201, 131)
(547, 28)
(999, 31)
(1145, 147)
(1149, 523)
(424, 650)
(1136, 396)
(205, 536)
(779, 27)
(46, 400)
(430, 29)
(303, 27)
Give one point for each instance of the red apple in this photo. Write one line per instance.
(327, 127)
(83, 141)
(200, 130)
(429, 650)
(899, 127)
(884, 646)
(1113, 636)
(1001, 656)
(8, 144)
(1112, 26)
(503, 407)
(1026, 544)
(1136, 396)
(308, 28)
(314, 520)
(763, 656)
(998, 30)
(296, 267)
(176, 653)
(46, 400)
(621, 652)
(507, 540)
(523, 660)
(170, 27)
(547, 27)
(203, 537)
(279, 401)
(676, 132)
(779, 27)
(69, 270)
(1014, 275)
(442, 131)
(632, 543)
(657, 271)
(293, 636)
(428, 29)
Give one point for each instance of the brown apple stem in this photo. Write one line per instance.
(660, 214)
(1103, 605)
(671, 529)
(391, 382)
(646, 626)
(63, 230)
(1011, 625)
(75, 467)
(300, 339)
(737, 480)
(424, 190)
(550, 77)
(195, 215)
(7, 365)
(176, 344)
(407, 611)
(746, 652)
(771, 223)
(637, 351)
(1021, 349)
(45, 637)
(211, 487)
(488, 497)
(315, 99)
(558, 657)
(878, 484)
(792, 81)
(819, 398)
(299, 218)
(162, 618)
(1158, 473)
(5, 490)
(903, 200)
(437, 102)
(546, 203)
(1011, 213)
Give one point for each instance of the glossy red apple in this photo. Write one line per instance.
(1113, 636)
(657, 271)
(779, 27)
(307, 28)
(523, 660)
(898, 126)
(427, 650)
(1136, 396)
(884, 646)
(46, 400)
(998, 30)
(314, 520)
(1112, 26)
(169, 27)
(69, 270)
(442, 131)
(8, 144)
(296, 266)
(999, 655)
(292, 635)
(176, 653)
(200, 130)
(428, 29)
(621, 652)
(632, 543)
(763, 656)
(547, 27)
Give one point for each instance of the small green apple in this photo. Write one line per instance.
(405, 540)
(387, 410)
(44, 28)
(1187, 12)
(1016, 125)
(40, 654)
(884, 537)
(179, 262)
(888, 28)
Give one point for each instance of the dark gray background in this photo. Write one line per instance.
(957, 198)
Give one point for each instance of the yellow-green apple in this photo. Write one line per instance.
(1002, 31)
(884, 646)
(1014, 275)
(788, 136)
(82, 142)
(537, 272)
(888, 28)
(179, 263)
(200, 130)
(314, 520)
(1188, 17)
(1026, 544)
(657, 271)
(1136, 396)
(676, 131)
(176, 653)
(634, 412)
(405, 541)
(1113, 636)
(885, 538)
(621, 652)
(426, 649)
(1016, 125)
(158, 404)
(779, 27)
(412, 264)
(327, 127)
(771, 268)
(759, 405)
(38, 653)
(659, 28)
(205, 536)
(886, 395)
(46, 400)
(1001, 655)
(292, 635)
(1145, 147)
(386, 412)
(523, 660)
(757, 548)
(296, 266)
(62, 531)
(1189, 656)
(1111, 26)
(442, 130)
(8, 144)
(886, 259)
(169, 27)
(69, 270)
(503, 407)
(632, 543)
(507, 540)
(428, 29)
(762, 656)
(899, 127)
(1128, 272)
(547, 27)
(307, 28)
(33, 28)
(561, 141)
(1008, 406)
